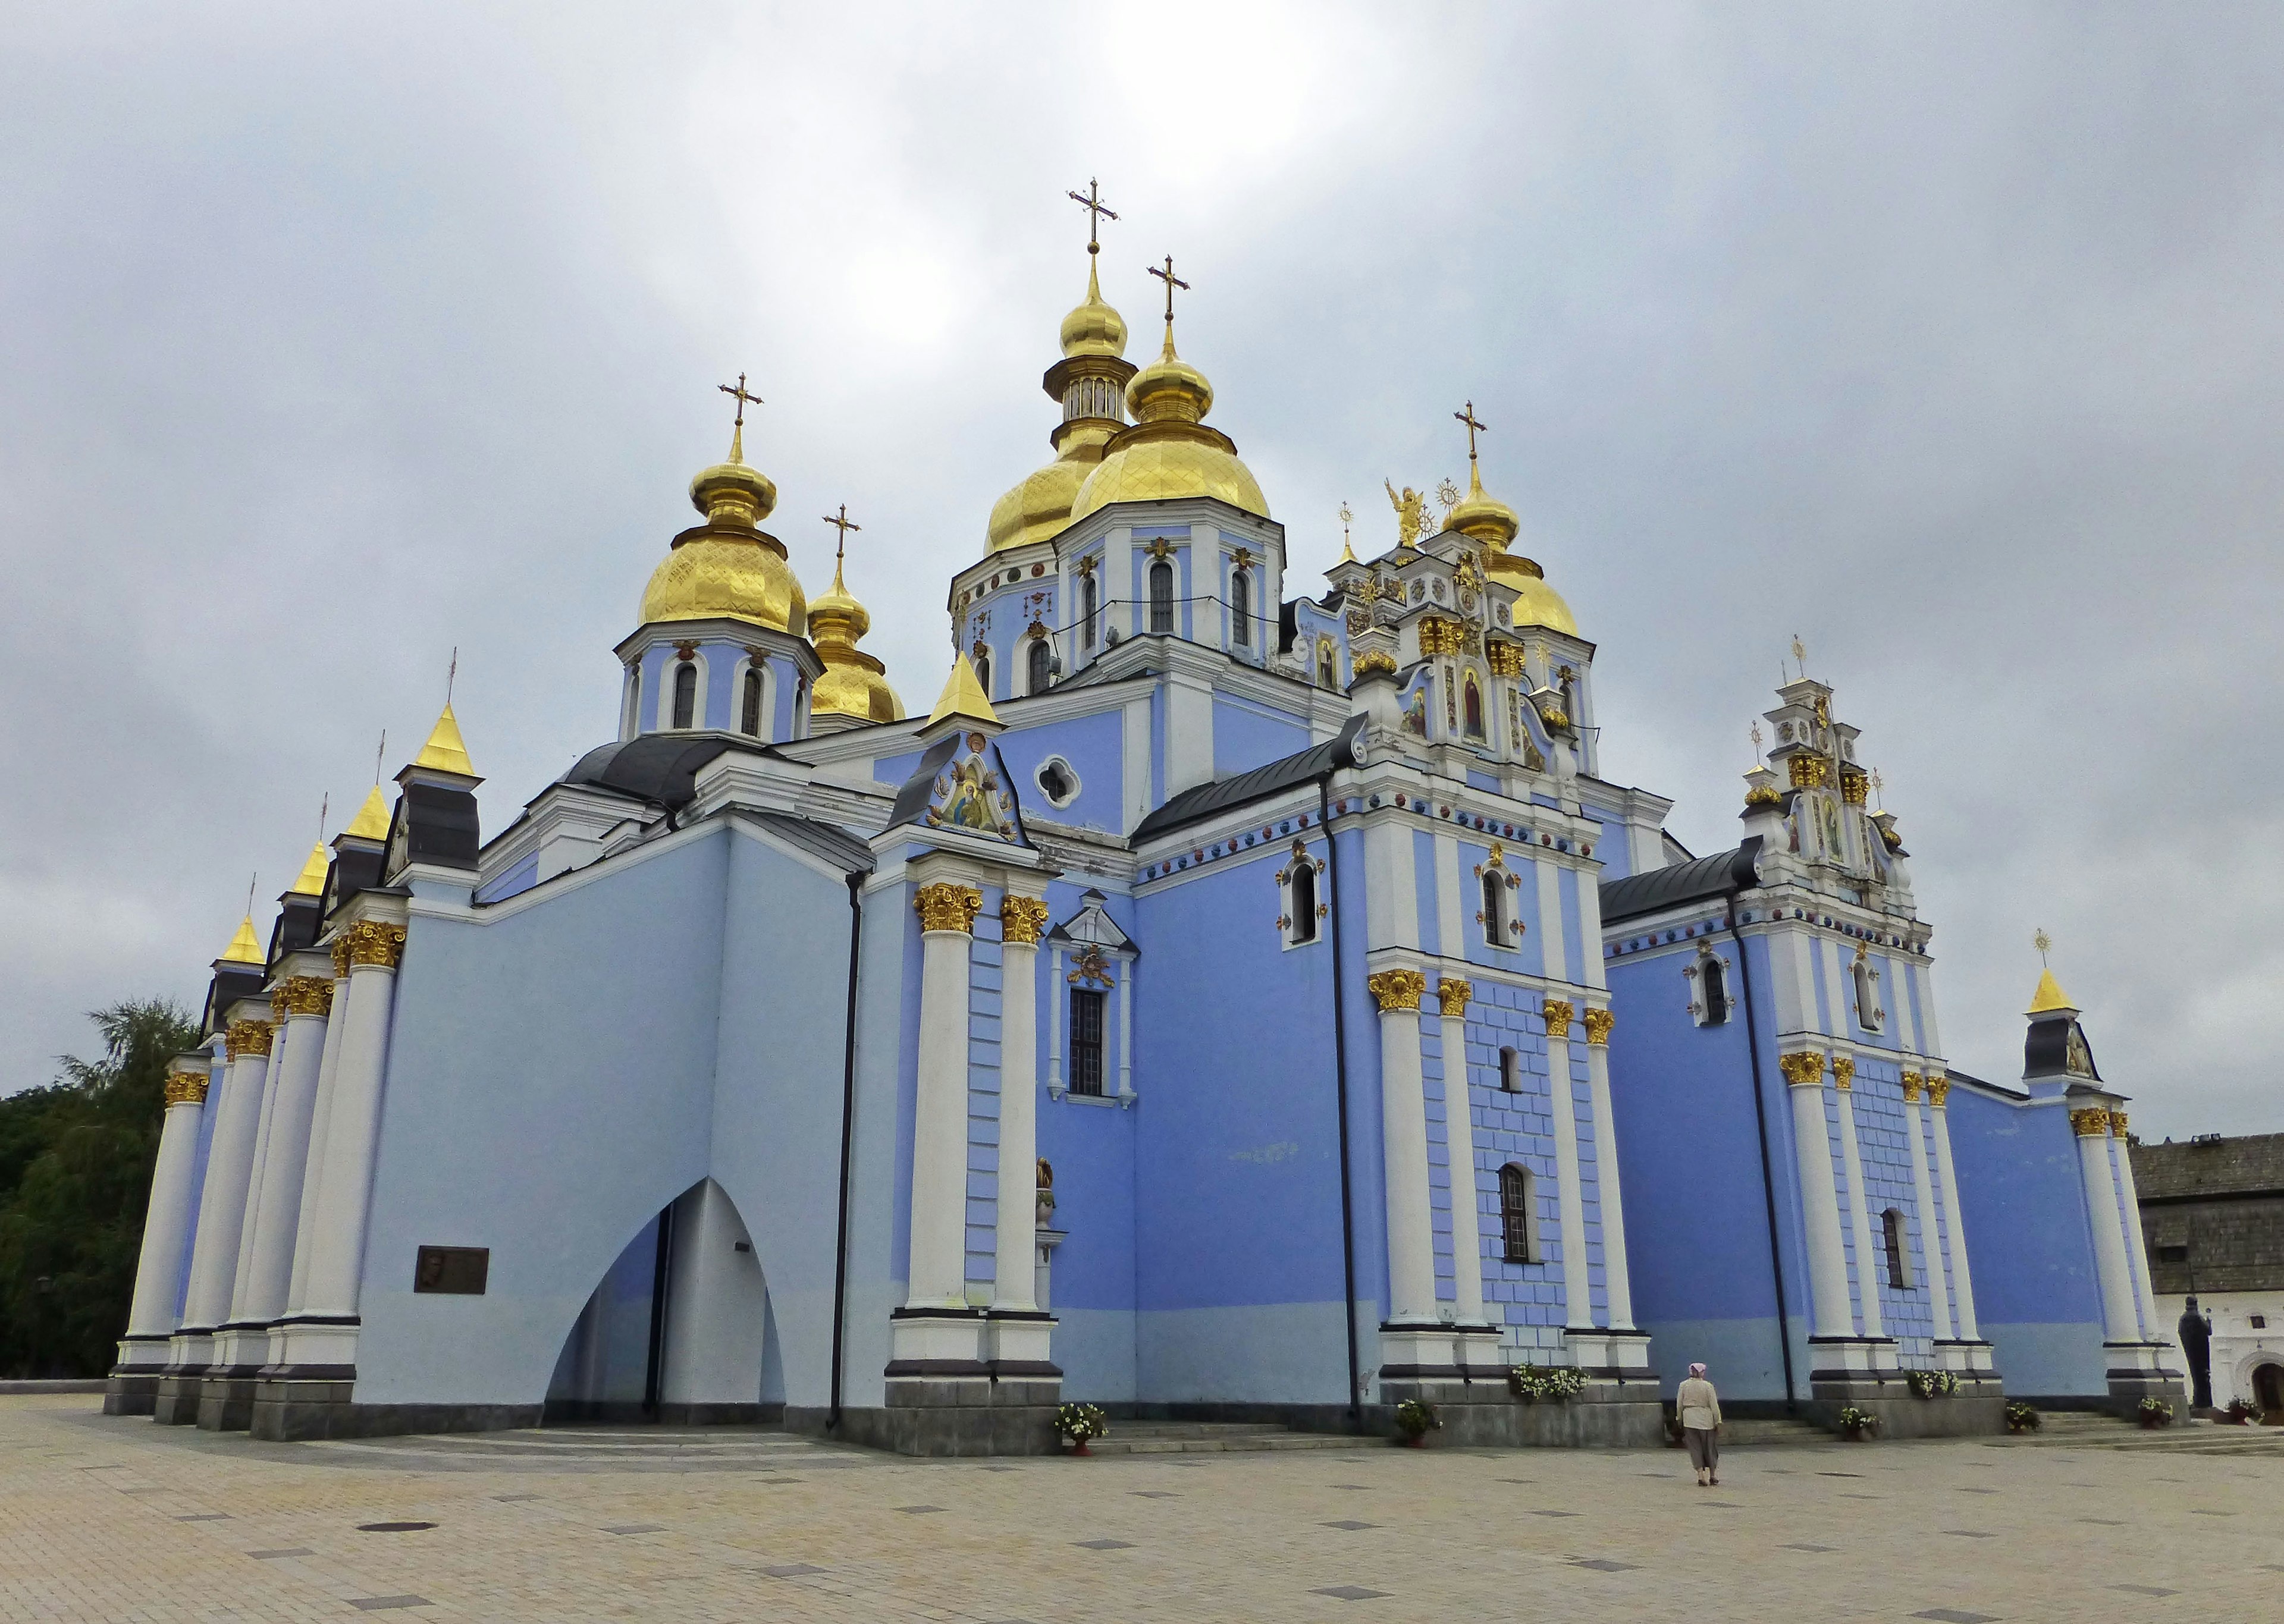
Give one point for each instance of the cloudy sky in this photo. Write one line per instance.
(1945, 337)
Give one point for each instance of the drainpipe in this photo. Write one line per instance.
(1341, 1086)
(848, 1119)
(1745, 866)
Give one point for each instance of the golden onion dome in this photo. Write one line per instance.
(727, 567)
(1085, 379)
(1041, 505)
(1484, 517)
(1093, 328)
(853, 682)
(1170, 452)
(1536, 604)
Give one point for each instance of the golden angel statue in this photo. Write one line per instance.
(1411, 514)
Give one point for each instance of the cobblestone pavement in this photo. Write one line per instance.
(115, 1518)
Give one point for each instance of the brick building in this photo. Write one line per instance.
(2212, 1220)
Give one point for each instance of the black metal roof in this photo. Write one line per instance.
(1306, 767)
(659, 767)
(1679, 883)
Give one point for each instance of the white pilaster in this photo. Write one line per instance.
(304, 1003)
(937, 1275)
(1617, 1279)
(1962, 1279)
(1551, 933)
(1820, 1196)
(2120, 1320)
(1938, 1277)
(159, 1268)
(2152, 1328)
(230, 1165)
(1577, 1279)
(1460, 1145)
(1404, 1145)
(320, 1121)
(1023, 920)
(1859, 1200)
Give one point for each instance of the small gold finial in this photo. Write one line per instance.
(736, 392)
(1347, 552)
(1800, 654)
(445, 752)
(1097, 212)
(372, 821)
(1756, 744)
(245, 948)
(1473, 429)
(963, 696)
(2043, 942)
(1172, 282)
(1878, 787)
(1448, 495)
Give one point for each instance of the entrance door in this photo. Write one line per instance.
(2268, 1392)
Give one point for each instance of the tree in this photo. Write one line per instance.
(74, 1176)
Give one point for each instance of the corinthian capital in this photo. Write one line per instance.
(301, 995)
(186, 1089)
(1557, 1012)
(369, 942)
(247, 1037)
(1452, 994)
(1802, 1069)
(1843, 1072)
(1599, 1023)
(1022, 919)
(1396, 989)
(946, 907)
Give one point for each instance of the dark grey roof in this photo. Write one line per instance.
(659, 767)
(1680, 883)
(842, 850)
(1306, 767)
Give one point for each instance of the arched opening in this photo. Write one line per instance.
(1868, 1012)
(1161, 598)
(1473, 707)
(634, 701)
(1302, 901)
(685, 693)
(1518, 1220)
(680, 1330)
(984, 673)
(1088, 601)
(1510, 1071)
(2268, 1390)
(1715, 993)
(1900, 1261)
(1241, 608)
(1494, 910)
(749, 708)
(1035, 678)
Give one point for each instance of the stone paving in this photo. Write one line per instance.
(115, 1518)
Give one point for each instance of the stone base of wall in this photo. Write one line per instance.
(1608, 1415)
(226, 1402)
(177, 1402)
(968, 1416)
(136, 1395)
(2127, 1389)
(1966, 1415)
(292, 1409)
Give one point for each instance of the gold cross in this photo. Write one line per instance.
(1172, 282)
(1096, 213)
(844, 524)
(1474, 427)
(736, 392)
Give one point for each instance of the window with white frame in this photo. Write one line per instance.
(1090, 1012)
(1869, 1015)
(1519, 1213)
(1707, 979)
(1303, 912)
(685, 693)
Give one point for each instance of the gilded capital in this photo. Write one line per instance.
(339, 948)
(1557, 1012)
(1599, 1023)
(1912, 1081)
(1938, 1087)
(1802, 1069)
(1396, 989)
(1506, 658)
(186, 1089)
(2117, 1123)
(247, 1037)
(1453, 993)
(2091, 1123)
(947, 907)
(1807, 772)
(301, 995)
(1440, 635)
(1022, 919)
(371, 942)
(1843, 1072)
(1373, 659)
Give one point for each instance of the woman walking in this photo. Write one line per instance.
(1700, 1408)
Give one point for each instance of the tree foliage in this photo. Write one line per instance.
(74, 1176)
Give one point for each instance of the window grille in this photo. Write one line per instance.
(752, 723)
(1899, 1267)
(1086, 1041)
(1516, 1201)
(1240, 607)
(685, 694)
(1161, 598)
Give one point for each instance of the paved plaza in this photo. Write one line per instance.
(115, 1518)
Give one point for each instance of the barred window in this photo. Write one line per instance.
(1494, 909)
(1161, 598)
(752, 723)
(1900, 1266)
(1037, 677)
(1517, 1219)
(1086, 1041)
(685, 694)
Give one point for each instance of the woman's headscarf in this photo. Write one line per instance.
(1697, 1370)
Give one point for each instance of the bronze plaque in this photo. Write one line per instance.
(460, 1270)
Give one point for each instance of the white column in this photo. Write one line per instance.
(229, 1351)
(1859, 1200)
(1820, 1196)
(1577, 1279)
(1452, 996)
(2153, 1329)
(321, 1113)
(1022, 920)
(303, 1003)
(1125, 1034)
(1962, 1279)
(2119, 1321)
(159, 1270)
(1618, 1281)
(353, 1128)
(230, 1165)
(1938, 1277)
(937, 1277)
(1403, 1148)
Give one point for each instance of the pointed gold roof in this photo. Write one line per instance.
(963, 696)
(853, 683)
(312, 879)
(244, 948)
(444, 752)
(372, 821)
(2049, 997)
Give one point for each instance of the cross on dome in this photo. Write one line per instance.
(1097, 212)
(1172, 282)
(1474, 427)
(737, 393)
(841, 522)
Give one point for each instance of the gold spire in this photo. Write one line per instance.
(853, 683)
(963, 696)
(312, 879)
(2049, 997)
(244, 948)
(444, 752)
(372, 821)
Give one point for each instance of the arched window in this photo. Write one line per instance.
(749, 704)
(1900, 1266)
(685, 693)
(1327, 677)
(1715, 992)
(1161, 598)
(1518, 1223)
(1036, 660)
(984, 673)
(1088, 603)
(1475, 708)
(1510, 1071)
(1494, 913)
(1086, 1041)
(1301, 898)
(1241, 608)
(1868, 1012)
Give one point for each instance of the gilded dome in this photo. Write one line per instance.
(1093, 328)
(1484, 517)
(1038, 507)
(1536, 604)
(853, 683)
(1170, 452)
(728, 568)
(1086, 382)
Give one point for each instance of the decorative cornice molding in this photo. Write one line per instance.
(947, 907)
(1396, 989)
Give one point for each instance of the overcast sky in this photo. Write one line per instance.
(1946, 337)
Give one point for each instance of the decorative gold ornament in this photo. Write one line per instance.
(1938, 1087)
(1454, 994)
(186, 1089)
(1507, 658)
(2091, 1123)
(1803, 1069)
(947, 907)
(1373, 659)
(1912, 1082)
(1843, 1072)
(1396, 989)
(247, 1037)
(369, 942)
(1764, 795)
(1599, 1023)
(1441, 634)
(1808, 771)
(301, 995)
(1853, 787)
(1557, 1012)
(1022, 919)
(2117, 1123)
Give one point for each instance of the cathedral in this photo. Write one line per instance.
(1226, 1002)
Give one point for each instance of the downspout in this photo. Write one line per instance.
(1761, 1122)
(1341, 1087)
(848, 1119)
